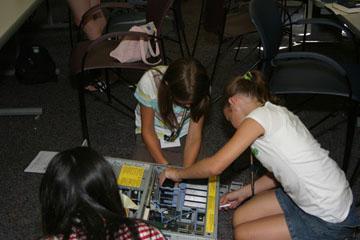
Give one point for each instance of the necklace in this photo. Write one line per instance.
(175, 133)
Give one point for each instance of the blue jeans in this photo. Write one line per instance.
(304, 226)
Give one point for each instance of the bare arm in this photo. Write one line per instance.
(148, 133)
(235, 198)
(264, 183)
(193, 142)
(245, 135)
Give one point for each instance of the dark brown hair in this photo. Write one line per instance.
(184, 81)
(79, 189)
(252, 85)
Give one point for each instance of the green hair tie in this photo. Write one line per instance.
(248, 76)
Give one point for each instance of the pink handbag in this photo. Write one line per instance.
(133, 49)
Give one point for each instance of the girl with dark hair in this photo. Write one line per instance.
(313, 199)
(80, 200)
(170, 114)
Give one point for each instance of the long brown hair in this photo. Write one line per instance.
(251, 84)
(79, 190)
(185, 81)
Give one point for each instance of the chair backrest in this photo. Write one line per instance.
(156, 11)
(266, 17)
(214, 15)
(227, 17)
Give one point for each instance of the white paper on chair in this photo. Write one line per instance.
(40, 162)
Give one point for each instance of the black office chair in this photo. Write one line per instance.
(180, 27)
(305, 72)
(229, 22)
(120, 21)
(87, 56)
(354, 177)
(355, 174)
(288, 15)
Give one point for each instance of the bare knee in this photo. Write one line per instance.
(272, 227)
(239, 217)
(262, 205)
(241, 232)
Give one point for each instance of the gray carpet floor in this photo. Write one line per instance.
(111, 132)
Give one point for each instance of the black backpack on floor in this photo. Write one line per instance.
(35, 65)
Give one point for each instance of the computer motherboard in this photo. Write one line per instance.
(188, 210)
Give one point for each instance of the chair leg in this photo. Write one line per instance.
(178, 31)
(221, 39)
(216, 60)
(355, 174)
(282, 12)
(238, 48)
(108, 87)
(290, 38)
(124, 105)
(83, 119)
(306, 3)
(349, 134)
(131, 116)
(247, 55)
(180, 25)
(111, 97)
(70, 28)
(259, 65)
(163, 51)
(198, 27)
(216, 99)
(186, 43)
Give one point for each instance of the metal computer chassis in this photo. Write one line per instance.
(186, 211)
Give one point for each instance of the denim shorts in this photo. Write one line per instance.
(304, 226)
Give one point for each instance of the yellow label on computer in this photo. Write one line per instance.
(130, 176)
(210, 211)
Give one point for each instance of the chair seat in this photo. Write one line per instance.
(313, 77)
(99, 57)
(124, 22)
(238, 23)
(353, 71)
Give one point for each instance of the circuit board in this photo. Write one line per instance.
(187, 210)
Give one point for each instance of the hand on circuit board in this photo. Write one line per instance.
(170, 173)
